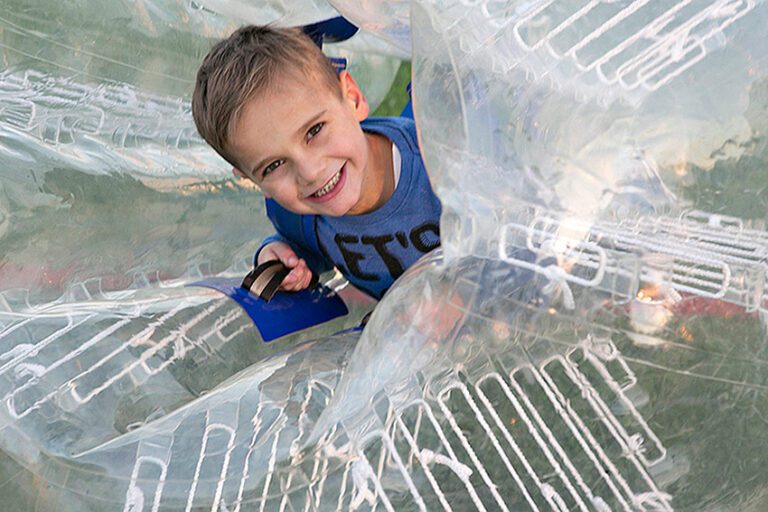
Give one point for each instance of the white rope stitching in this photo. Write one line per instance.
(557, 281)
(462, 470)
(361, 473)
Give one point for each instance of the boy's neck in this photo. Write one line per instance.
(381, 177)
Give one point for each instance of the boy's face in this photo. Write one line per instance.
(303, 145)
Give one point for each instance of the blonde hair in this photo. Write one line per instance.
(246, 64)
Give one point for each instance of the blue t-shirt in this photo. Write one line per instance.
(372, 249)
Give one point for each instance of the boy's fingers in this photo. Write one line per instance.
(268, 253)
(307, 278)
(298, 278)
(291, 278)
(287, 256)
(290, 285)
(300, 275)
(301, 280)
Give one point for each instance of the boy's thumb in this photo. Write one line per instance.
(287, 256)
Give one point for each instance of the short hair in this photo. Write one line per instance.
(248, 63)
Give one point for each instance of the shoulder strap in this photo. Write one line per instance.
(308, 230)
(408, 109)
(400, 130)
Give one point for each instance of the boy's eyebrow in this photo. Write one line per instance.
(312, 120)
(299, 133)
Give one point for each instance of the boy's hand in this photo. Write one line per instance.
(300, 275)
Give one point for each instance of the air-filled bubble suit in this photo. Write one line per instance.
(591, 336)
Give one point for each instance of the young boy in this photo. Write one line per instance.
(342, 191)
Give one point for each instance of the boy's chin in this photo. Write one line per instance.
(312, 209)
(338, 206)
(339, 211)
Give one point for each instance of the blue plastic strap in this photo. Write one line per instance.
(332, 30)
(338, 63)
(287, 312)
(408, 110)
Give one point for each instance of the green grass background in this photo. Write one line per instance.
(397, 97)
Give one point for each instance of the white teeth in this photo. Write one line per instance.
(328, 186)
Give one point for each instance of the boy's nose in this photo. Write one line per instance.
(310, 170)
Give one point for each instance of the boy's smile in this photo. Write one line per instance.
(301, 142)
(330, 189)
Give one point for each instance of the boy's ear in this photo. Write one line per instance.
(353, 95)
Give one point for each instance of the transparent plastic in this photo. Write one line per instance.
(590, 336)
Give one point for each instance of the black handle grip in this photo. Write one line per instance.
(265, 279)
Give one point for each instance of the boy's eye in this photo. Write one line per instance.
(314, 130)
(271, 167)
